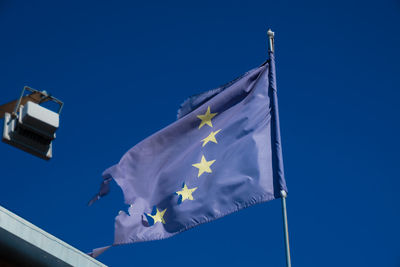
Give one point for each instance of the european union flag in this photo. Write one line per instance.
(223, 154)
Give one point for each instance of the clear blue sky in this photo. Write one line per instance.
(124, 67)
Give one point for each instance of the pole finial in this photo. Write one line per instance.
(271, 35)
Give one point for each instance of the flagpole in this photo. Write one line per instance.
(271, 35)
(285, 226)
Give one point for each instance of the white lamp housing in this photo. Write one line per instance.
(33, 130)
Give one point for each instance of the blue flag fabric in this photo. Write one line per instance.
(223, 154)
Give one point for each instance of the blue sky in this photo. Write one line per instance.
(124, 67)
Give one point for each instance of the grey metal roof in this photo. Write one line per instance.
(23, 243)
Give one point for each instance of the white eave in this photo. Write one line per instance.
(28, 240)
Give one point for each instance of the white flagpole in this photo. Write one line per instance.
(285, 230)
(271, 35)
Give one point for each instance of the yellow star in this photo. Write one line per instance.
(203, 165)
(186, 192)
(210, 138)
(206, 118)
(158, 217)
